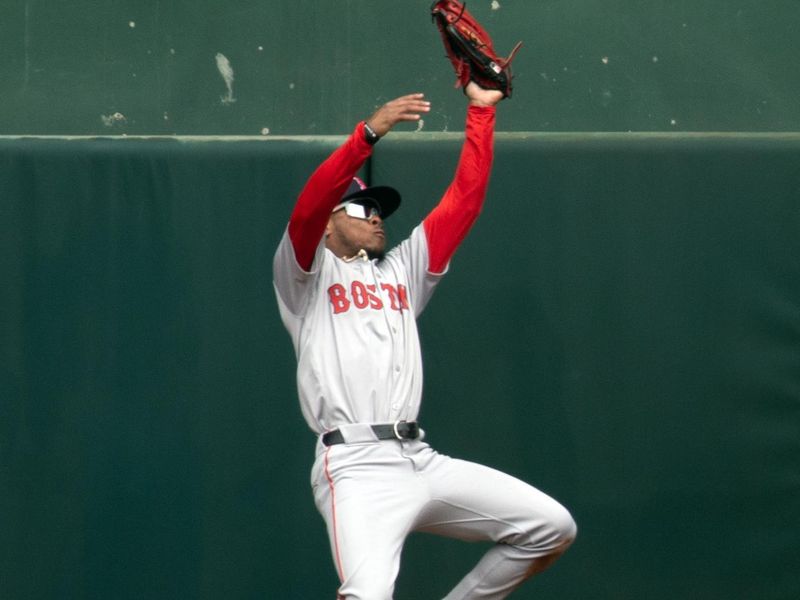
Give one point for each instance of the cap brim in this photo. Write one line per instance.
(387, 198)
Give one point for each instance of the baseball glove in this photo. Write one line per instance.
(470, 48)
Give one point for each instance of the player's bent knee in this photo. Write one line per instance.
(561, 534)
(567, 528)
(554, 535)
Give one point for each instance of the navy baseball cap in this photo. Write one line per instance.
(386, 198)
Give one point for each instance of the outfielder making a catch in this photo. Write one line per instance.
(350, 308)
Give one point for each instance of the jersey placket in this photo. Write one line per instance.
(395, 326)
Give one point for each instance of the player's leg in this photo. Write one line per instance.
(368, 497)
(473, 502)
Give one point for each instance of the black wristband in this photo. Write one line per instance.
(370, 135)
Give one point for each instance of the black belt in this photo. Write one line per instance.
(402, 430)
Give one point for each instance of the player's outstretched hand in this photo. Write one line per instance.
(404, 108)
(479, 96)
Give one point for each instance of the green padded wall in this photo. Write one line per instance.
(621, 329)
(88, 67)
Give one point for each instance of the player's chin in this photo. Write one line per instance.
(377, 249)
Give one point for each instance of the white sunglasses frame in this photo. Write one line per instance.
(361, 211)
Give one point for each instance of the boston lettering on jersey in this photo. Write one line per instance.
(362, 295)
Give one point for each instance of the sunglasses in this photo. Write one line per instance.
(360, 211)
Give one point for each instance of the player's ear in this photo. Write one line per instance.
(329, 227)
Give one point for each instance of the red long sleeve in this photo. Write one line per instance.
(322, 193)
(448, 224)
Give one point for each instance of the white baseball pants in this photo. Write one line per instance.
(373, 494)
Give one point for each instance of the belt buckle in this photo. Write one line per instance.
(395, 430)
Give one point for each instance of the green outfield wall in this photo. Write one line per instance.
(621, 329)
(238, 67)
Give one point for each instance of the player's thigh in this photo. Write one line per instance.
(368, 500)
(474, 502)
(367, 542)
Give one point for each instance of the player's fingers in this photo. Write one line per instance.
(416, 96)
(411, 108)
(408, 110)
(410, 100)
(405, 108)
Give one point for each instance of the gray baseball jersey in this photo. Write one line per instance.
(348, 372)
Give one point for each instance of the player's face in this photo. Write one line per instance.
(352, 230)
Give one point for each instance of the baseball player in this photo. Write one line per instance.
(350, 308)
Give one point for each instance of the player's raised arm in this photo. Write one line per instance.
(448, 224)
(330, 180)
